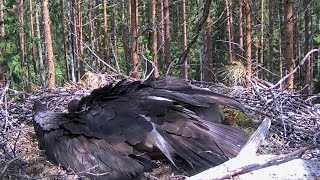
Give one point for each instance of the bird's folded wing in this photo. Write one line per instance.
(95, 158)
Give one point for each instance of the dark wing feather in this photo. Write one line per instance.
(115, 121)
(91, 147)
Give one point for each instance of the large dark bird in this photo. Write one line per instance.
(108, 134)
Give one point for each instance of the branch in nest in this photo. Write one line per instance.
(247, 160)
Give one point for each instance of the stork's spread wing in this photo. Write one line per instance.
(115, 124)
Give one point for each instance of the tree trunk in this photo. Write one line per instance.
(208, 63)
(177, 34)
(64, 35)
(106, 36)
(308, 78)
(75, 47)
(91, 32)
(184, 38)
(39, 48)
(2, 29)
(247, 4)
(21, 41)
(2, 36)
(80, 41)
(167, 42)
(262, 40)
(271, 58)
(229, 29)
(161, 35)
(115, 42)
(99, 37)
(288, 23)
(280, 17)
(134, 34)
(48, 44)
(241, 27)
(154, 38)
(34, 50)
(71, 40)
(124, 38)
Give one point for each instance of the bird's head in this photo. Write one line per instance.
(73, 105)
(38, 106)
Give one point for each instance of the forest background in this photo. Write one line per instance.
(48, 43)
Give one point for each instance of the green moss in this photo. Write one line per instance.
(239, 119)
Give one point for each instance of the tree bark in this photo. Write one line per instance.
(280, 17)
(308, 63)
(91, 31)
(271, 26)
(229, 29)
(124, 38)
(71, 40)
(2, 29)
(184, 38)
(241, 27)
(99, 36)
(21, 41)
(167, 39)
(48, 44)
(64, 35)
(208, 63)
(106, 36)
(288, 23)
(34, 50)
(154, 38)
(2, 36)
(262, 40)
(74, 37)
(80, 41)
(134, 34)
(247, 4)
(115, 38)
(39, 48)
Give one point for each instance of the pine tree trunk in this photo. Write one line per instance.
(308, 78)
(34, 50)
(161, 35)
(167, 40)
(288, 23)
(80, 41)
(70, 41)
(106, 36)
(247, 4)
(154, 38)
(271, 26)
(124, 38)
(134, 34)
(91, 32)
(21, 41)
(280, 17)
(229, 29)
(184, 38)
(262, 40)
(39, 48)
(64, 42)
(2, 29)
(115, 41)
(241, 27)
(74, 37)
(48, 44)
(99, 37)
(2, 36)
(208, 63)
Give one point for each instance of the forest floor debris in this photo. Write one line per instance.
(295, 124)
